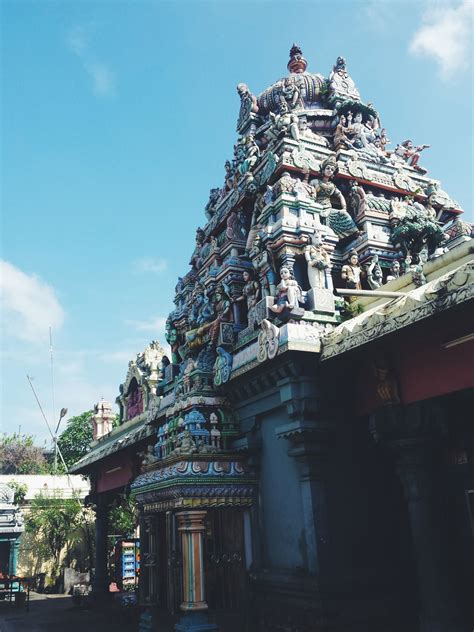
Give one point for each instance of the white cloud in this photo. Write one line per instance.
(103, 78)
(156, 324)
(147, 264)
(376, 14)
(446, 36)
(29, 305)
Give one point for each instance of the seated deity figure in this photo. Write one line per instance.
(340, 81)
(288, 292)
(338, 220)
(307, 132)
(319, 263)
(283, 124)
(351, 272)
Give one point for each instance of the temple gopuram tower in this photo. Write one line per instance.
(304, 442)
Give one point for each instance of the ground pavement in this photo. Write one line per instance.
(56, 613)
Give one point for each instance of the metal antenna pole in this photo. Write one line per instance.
(51, 433)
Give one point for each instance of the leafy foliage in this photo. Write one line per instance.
(57, 521)
(123, 517)
(19, 490)
(74, 442)
(19, 455)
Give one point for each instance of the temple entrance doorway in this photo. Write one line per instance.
(225, 565)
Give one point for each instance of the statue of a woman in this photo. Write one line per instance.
(318, 263)
(288, 292)
(338, 220)
(251, 289)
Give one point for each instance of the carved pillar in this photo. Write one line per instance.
(100, 584)
(13, 561)
(411, 435)
(309, 447)
(191, 527)
(308, 437)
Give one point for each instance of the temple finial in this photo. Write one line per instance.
(297, 63)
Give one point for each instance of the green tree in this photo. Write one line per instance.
(58, 522)
(19, 455)
(123, 517)
(74, 442)
(19, 490)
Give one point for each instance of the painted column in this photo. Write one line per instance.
(191, 527)
(100, 584)
(13, 561)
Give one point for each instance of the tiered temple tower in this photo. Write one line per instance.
(249, 457)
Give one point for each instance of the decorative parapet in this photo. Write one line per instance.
(449, 290)
(197, 483)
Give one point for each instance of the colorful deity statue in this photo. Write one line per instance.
(285, 124)
(340, 82)
(342, 135)
(251, 290)
(338, 220)
(411, 153)
(374, 273)
(171, 335)
(262, 262)
(248, 103)
(351, 272)
(394, 271)
(319, 263)
(288, 292)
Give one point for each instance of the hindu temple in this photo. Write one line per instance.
(302, 458)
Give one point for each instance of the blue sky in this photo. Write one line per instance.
(117, 118)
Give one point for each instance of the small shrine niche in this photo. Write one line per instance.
(134, 400)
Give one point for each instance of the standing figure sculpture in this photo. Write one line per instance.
(374, 274)
(319, 263)
(338, 220)
(251, 289)
(288, 292)
(351, 272)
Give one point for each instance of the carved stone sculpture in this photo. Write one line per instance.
(251, 290)
(338, 220)
(394, 271)
(341, 84)
(319, 263)
(268, 340)
(288, 292)
(374, 274)
(411, 153)
(351, 272)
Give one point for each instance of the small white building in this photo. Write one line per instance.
(64, 486)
